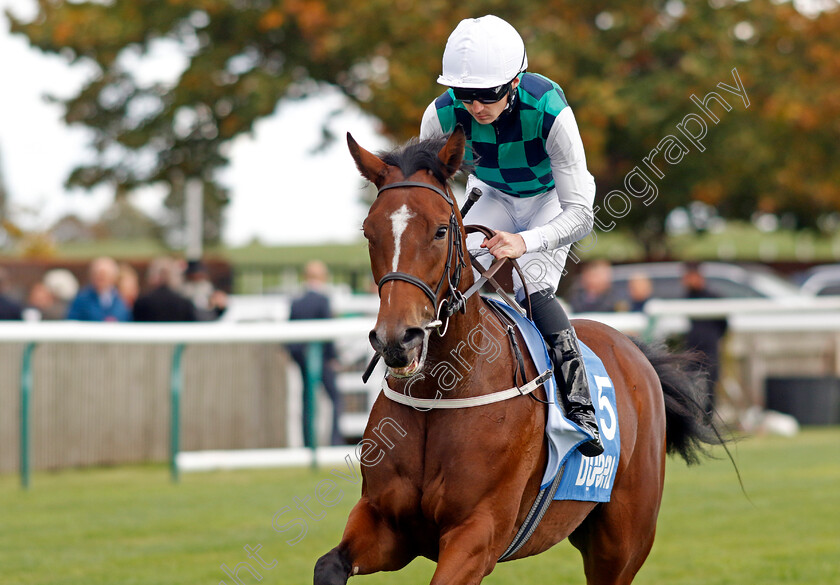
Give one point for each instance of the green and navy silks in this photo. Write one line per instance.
(510, 153)
(587, 479)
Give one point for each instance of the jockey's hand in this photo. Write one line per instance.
(505, 245)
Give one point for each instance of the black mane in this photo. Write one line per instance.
(419, 155)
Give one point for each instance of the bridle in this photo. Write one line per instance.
(454, 300)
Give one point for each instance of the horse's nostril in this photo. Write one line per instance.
(413, 337)
(375, 342)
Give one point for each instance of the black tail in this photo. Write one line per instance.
(689, 429)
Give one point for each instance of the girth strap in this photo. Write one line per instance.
(535, 515)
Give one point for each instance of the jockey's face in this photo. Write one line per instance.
(488, 113)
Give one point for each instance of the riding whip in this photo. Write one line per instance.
(475, 193)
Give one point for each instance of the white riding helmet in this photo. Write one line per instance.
(481, 53)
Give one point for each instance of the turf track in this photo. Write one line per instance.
(129, 525)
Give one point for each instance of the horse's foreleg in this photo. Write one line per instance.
(369, 545)
(334, 568)
(467, 554)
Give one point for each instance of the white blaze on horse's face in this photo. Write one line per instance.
(399, 221)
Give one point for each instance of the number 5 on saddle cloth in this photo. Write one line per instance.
(584, 478)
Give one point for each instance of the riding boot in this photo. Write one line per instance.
(577, 402)
(566, 357)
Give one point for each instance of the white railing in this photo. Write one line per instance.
(712, 308)
(184, 333)
(179, 335)
(754, 316)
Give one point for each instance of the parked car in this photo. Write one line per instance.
(821, 280)
(275, 307)
(722, 279)
(729, 281)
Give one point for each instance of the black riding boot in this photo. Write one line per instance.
(572, 384)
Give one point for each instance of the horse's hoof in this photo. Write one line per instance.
(332, 569)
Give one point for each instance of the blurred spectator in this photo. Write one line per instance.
(704, 335)
(161, 302)
(128, 284)
(314, 304)
(10, 310)
(41, 304)
(209, 302)
(640, 289)
(100, 301)
(63, 286)
(595, 293)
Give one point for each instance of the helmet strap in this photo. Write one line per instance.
(511, 97)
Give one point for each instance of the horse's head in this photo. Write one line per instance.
(415, 242)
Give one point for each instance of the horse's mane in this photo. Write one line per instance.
(420, 155)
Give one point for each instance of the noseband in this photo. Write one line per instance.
(454, 300)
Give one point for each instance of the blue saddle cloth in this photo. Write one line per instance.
(588, 479)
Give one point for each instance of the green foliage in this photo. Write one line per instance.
(629, 70)
(130, 525)
(337, 255)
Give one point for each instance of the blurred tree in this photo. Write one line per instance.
(5, 238)
(122, 220)
(4, 195)
(628, 69)
(72, 228)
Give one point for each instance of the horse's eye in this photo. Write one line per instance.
(440, 233)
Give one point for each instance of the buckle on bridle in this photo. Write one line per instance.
(444, 321)
(458, 302)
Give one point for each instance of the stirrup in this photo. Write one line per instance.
(591, 448)
(585, 418)
(594, 446)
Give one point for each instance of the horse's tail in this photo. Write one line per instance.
(689, 429)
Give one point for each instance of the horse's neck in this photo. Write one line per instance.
(474, 341)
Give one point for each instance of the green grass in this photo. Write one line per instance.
(739, 242)
(743, 242)
(352, 254)
(129, 525)
(119, 249)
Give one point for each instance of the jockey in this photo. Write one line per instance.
(529, 163)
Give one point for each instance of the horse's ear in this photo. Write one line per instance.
(452, 153)
(371, 166)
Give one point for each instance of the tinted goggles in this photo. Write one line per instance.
(485, 96)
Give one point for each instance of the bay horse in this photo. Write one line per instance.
(458, 483)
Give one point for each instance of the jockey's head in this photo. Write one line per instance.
(481, 63)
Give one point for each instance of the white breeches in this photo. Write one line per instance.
(499, 211)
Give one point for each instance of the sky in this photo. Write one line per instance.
(279, 190)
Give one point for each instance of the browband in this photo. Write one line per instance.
(437, 190)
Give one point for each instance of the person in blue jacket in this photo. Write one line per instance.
(10, 310)
(100, 301)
